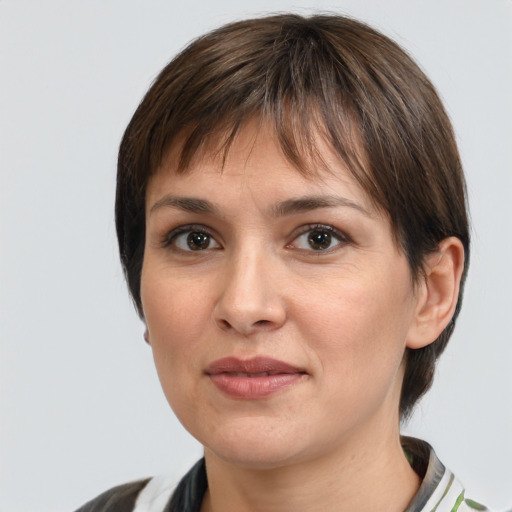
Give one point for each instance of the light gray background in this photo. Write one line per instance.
(81, 408)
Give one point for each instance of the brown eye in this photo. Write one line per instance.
(197, 241)
(319, 240)
(192, 240)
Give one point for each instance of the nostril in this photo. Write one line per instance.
(224, 324)
(257, 325)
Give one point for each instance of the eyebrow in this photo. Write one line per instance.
(188, 204)
(281, 209)
(307, 203)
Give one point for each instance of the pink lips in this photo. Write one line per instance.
(254, 378)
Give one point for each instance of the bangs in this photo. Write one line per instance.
(303, 135)
(294, 85)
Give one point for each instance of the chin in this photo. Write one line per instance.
(255, 457)
(261, 447)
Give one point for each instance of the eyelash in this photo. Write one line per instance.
(342, 238)
(170, 238)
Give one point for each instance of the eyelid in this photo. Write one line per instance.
(170, 236)
(341, 236)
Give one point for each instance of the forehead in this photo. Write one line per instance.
(255, 159)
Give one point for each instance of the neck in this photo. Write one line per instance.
(364, 475)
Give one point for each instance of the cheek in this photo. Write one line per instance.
(358, 329)
(177, 314)
(174, 308)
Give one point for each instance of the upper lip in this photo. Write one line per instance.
(255, 365)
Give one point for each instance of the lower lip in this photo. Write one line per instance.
(253, 388)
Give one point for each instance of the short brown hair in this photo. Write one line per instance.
(328, 75)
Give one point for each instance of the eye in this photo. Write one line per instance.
(191, 239)
(319, 238)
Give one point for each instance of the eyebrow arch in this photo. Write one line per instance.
(281, 209)
(188, 204)
(307, 203)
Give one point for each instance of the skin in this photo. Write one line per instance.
(258, 287)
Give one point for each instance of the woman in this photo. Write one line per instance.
(292, 222)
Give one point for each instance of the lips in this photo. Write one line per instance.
(252, 379)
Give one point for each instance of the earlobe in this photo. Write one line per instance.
(146, 336)
(438, 293)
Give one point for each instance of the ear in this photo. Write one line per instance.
(146, 336)
(437, 293)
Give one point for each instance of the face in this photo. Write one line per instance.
(278, 306)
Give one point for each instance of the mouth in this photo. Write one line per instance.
(253, 379)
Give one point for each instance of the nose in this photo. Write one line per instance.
(250, 300)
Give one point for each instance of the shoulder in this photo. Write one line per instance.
(440, 490)
(118, 499)
(157, 494)
(149, 495)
